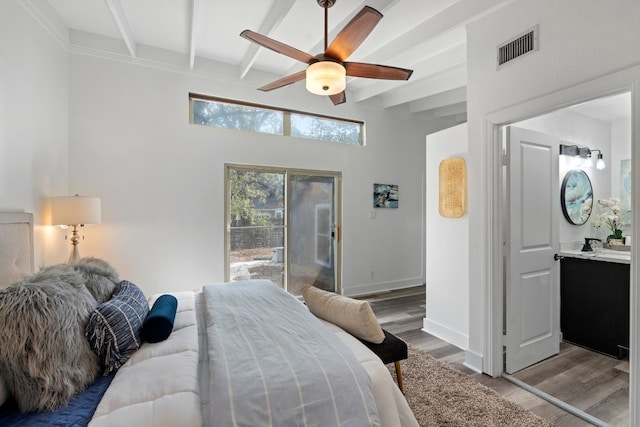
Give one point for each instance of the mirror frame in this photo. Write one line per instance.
(574, 205)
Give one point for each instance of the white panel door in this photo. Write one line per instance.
(532, 288)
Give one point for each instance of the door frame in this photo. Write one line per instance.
(494, 218)
(337, 242)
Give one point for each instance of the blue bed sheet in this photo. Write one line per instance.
(76, 414)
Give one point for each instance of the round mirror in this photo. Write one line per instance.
(576, 197)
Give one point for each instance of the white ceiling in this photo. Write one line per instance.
(426, 36)
(608, 109)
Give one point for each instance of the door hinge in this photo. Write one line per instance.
(504, 159)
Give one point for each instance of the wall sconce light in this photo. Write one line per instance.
(588, 163)
(600, 164)
(583, 156)
(75, 211)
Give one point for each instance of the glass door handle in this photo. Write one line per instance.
(335, 233)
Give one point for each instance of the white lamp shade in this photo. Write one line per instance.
(326, 78)
(75, 210)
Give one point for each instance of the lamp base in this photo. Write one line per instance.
(74, 255)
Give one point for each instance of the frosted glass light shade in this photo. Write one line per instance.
(588, 162)
(326, 78)
(75, 210)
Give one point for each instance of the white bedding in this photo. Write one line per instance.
(161, 384)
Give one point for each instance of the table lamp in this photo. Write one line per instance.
(75, 211)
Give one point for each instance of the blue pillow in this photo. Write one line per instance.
(159, 323)
(114, 327)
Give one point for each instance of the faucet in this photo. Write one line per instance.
(587, 244)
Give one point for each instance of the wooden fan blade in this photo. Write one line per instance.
(354, 33)
(338, 98)
(375, 71)
(277, 46)
(285, 81)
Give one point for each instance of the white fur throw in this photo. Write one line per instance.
(354, 316)
(45, 358)
(99, 277)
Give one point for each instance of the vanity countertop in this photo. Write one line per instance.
(607, 255)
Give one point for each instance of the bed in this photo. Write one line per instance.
(243, 353)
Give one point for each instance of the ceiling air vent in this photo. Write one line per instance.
(521, 45)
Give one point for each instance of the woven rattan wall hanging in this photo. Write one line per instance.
(453, 187)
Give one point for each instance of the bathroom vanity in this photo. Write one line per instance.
(594, 301)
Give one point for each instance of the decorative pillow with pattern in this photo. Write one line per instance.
(114, 327)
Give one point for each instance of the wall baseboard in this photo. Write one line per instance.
(372, 288)
(473, 361)
(445, 333)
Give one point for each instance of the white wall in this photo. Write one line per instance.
(162, 180)
(447, 243)
(33, 123)
(575, 129)
(579, 40)
(620, 150)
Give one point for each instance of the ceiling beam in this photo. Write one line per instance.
(450, 110)
(444, 60)
(455, 16)
(273, 19)
(195, 7)
(115, 6)
(454, 96)
(456, 78)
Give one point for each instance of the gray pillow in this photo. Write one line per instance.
(99, 277)
(45, 358)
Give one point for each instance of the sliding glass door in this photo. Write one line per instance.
(282, 225)
(311, 232)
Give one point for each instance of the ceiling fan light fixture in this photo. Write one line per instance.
(326, 78)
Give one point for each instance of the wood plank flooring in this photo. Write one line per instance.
(596, 384)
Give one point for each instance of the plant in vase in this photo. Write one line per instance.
(609, 217)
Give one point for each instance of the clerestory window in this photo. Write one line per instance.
(230, 114)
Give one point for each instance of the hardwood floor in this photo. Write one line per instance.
(596, 384)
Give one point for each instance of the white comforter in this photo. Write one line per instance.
(160, 385)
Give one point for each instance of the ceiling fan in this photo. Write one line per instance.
(326, 72)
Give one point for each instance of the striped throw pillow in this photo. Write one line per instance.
(114, 327)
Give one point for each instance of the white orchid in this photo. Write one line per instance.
(609, 217)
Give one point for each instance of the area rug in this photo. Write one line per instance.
(440, 395)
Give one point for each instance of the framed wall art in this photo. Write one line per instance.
(576, 197)
(385, 196)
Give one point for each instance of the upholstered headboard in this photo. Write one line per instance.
(16, 246)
